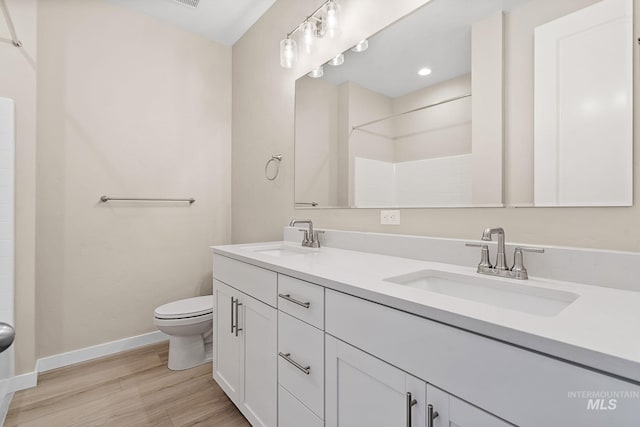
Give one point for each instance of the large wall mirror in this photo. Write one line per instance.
(415, 120)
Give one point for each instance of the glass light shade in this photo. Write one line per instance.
(361, 47)
(337, 60)
(308, 35)
(331, 19)
(288, 53)
(317, 72)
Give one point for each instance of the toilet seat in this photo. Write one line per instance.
(185, 308)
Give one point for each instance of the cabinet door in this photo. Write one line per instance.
(227, 363)
(259, 329)
(453, 412)
(364, 391)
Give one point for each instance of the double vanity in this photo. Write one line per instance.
(341, 336)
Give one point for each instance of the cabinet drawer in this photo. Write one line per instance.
(292, 413)
(520, 386)
(254, 281)
(304, 346)
(302, 300)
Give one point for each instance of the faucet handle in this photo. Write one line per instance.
(531, 249)
(484, 264)
(305, 237)
(518, 269)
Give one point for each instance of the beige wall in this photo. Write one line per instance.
(487, 110)
(127, 106)
(441, 131)
(364, 106)
(18, 81)
(263, 100)
(317, 131)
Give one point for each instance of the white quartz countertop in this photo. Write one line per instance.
(599, 330)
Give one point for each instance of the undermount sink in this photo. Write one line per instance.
(281, 250)
(522, 297)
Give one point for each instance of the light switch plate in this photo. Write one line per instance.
(390, 217)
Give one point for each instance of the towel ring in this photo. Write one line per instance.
(274, 159)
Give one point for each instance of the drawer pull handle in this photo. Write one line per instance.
(411, 402)
(431, 415)
(287, 357)
(295, 301)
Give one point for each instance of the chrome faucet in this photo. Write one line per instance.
(517, 271)
(310, 239)
(501, 257)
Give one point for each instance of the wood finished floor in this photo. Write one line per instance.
(133, 388)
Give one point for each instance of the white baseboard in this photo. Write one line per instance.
(24, 381)
(28, 380)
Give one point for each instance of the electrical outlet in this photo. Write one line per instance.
(390, 217)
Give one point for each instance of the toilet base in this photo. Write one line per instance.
(187, 352)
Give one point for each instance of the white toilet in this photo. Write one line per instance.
(189, 324)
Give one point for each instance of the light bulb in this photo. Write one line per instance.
(317, 72)
(308, 35)
(337, 60)
(424, 71)
(361, 47)
(331, 18)
(288, 53)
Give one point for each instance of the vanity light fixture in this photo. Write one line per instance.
(331, 18)
(337, 60)
(317, 72)
(324, 20)
(288, 53)
(425, 71)
(309, 29)
(361, 47)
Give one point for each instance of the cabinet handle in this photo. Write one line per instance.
(232, 304)
(410, 403)
(238, 328)
(287, 357)
(295, 301)
(431, 415)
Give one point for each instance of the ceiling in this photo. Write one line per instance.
(223, 21)
(437, 35)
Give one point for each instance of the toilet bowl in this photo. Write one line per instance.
(189, 324)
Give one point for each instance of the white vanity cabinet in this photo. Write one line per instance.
(291, 353)
(365, 391)
(228, 347)
(520, 386)
(362, 390)
(301, 360)
(245, 339)
(452, 411)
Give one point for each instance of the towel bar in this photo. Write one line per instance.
(137, 199)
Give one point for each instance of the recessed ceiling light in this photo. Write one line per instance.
(424, 71)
